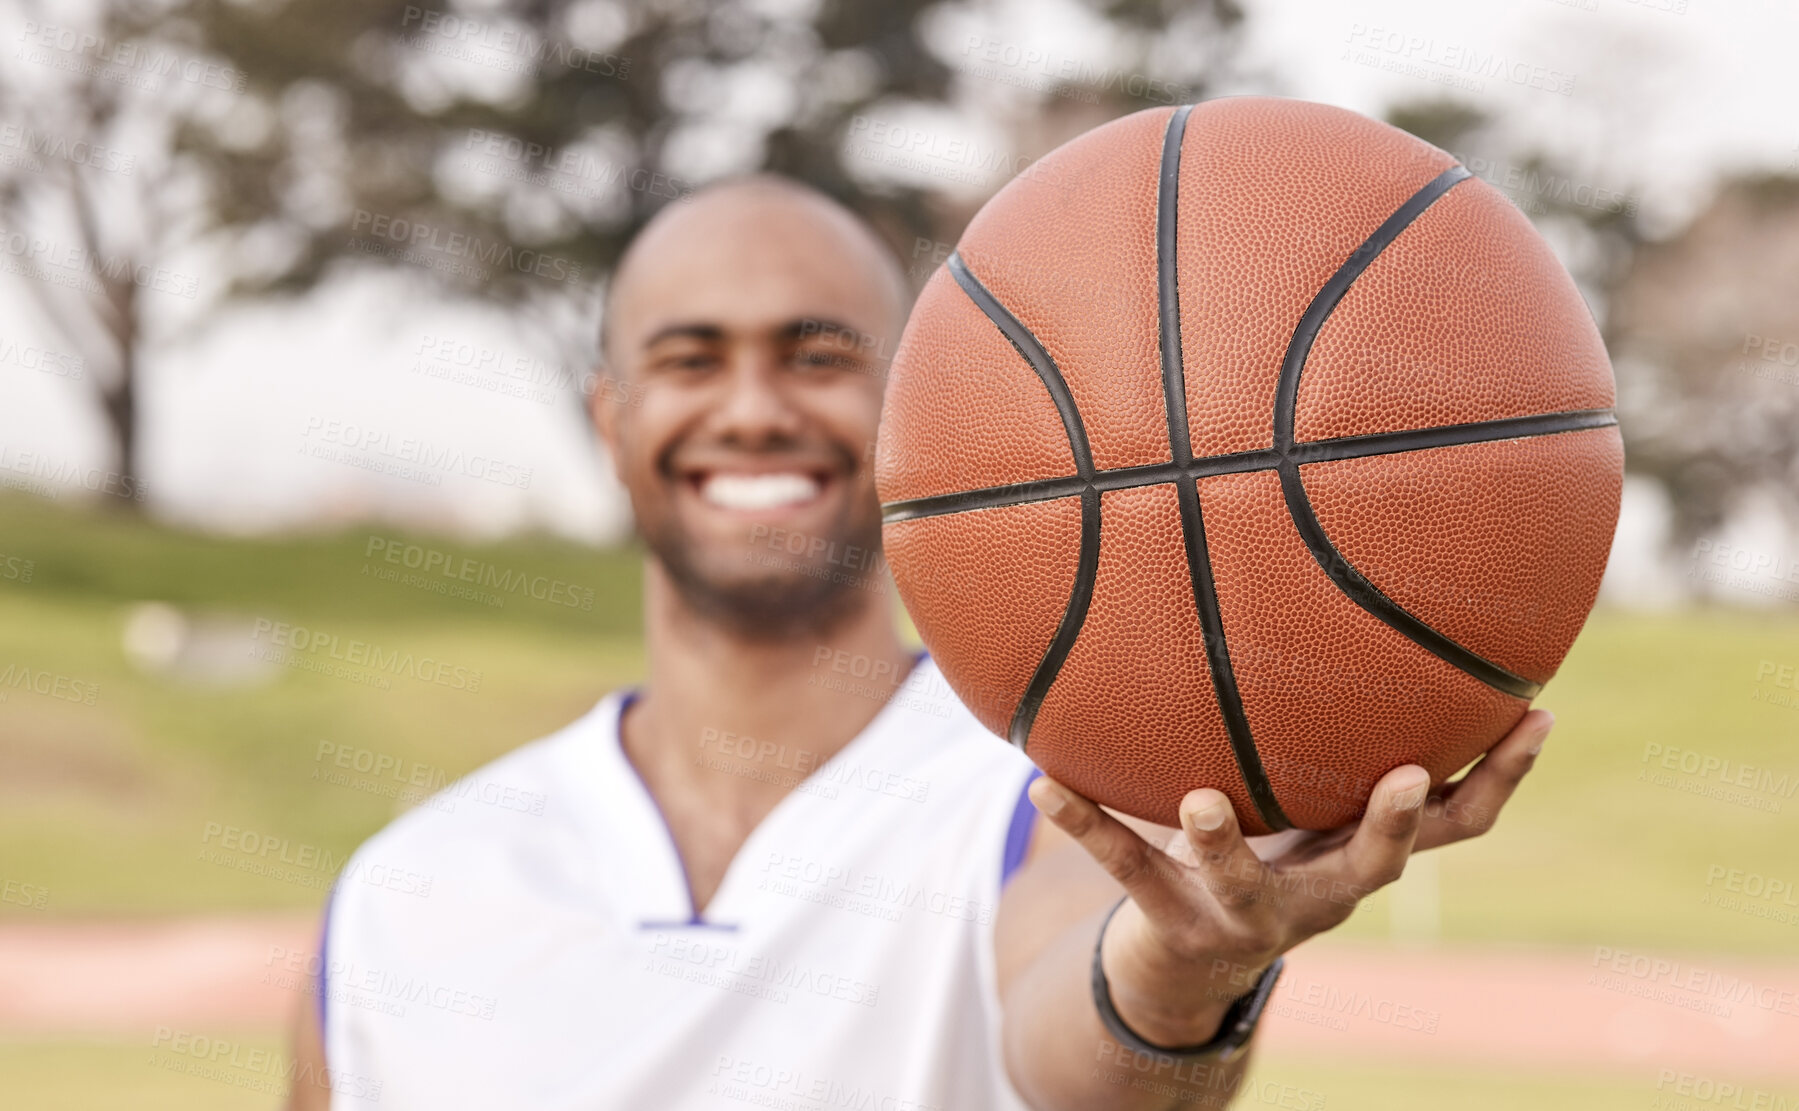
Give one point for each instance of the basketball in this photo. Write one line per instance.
(1253, 445)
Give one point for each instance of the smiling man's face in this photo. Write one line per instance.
(752, 324)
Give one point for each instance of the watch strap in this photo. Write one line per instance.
(1239, 1021)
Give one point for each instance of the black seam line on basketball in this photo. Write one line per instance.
(1174, 381)
(1206, 466)
(1049, 489)
(1180, 450)
(1218, 660)
(1286, 391)
(1451, 435)
(1339, 570)
(1033, 351)
(1370, 597)
(1080, 596)
(1067, 631)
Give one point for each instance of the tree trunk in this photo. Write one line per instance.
(123, 489)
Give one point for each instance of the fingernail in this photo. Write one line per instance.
(1048, 798)
(1543, 733)
(1411, 798)
(1206, 818)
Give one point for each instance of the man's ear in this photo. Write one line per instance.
(603, 407)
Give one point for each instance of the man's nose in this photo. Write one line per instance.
(755, 409)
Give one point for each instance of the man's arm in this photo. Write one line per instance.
(1207, 912)
(311, 1091)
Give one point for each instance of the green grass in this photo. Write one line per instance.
(1352, 1086)
(145, 1074)
(106, 807)
(1593, 849)
(79, 1075)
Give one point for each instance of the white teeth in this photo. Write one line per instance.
(758, 491)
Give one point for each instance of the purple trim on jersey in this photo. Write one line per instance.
(693, 911)
(323, 986)
(1018, 834)
(690, 924)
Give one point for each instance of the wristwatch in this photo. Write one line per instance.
(1233, 1032)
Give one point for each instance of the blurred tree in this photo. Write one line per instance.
(92, 214)
(1702, 325)
(1704, 328)
(511, 147)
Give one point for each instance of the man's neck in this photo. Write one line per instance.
(733, 722)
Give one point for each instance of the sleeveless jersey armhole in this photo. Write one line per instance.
(1018, 831)
(322, 983)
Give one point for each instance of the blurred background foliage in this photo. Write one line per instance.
(589, 115)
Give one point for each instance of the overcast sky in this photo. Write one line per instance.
(1653, 98)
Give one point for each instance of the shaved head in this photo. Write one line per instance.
(778, 203)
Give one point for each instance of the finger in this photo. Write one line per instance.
(1223, 860)
(1144, 871)
(1376, 853)
(1470, 806)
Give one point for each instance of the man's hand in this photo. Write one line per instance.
(1210, 910)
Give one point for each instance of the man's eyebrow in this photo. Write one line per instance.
(685, 330)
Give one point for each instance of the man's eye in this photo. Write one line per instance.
(689, 362)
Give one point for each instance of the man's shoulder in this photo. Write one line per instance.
(942, 731)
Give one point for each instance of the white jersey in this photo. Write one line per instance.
(527, 938)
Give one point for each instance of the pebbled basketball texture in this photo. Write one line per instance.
(1253, 445)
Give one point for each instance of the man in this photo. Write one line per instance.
(791, 870)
